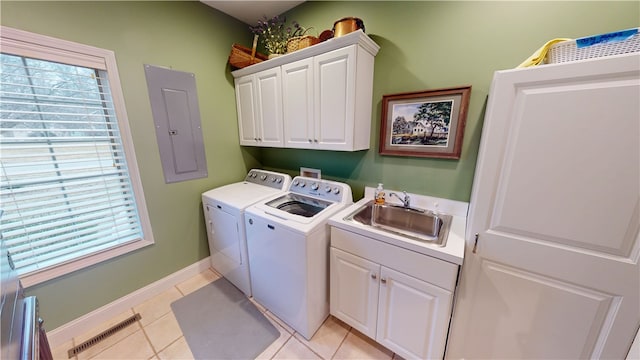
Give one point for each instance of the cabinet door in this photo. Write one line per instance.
(334, 94)
(354, 291)
(555, 202)
(224, 237)
(297, 100)
(269, 105)
(246, 107)
(413, 316)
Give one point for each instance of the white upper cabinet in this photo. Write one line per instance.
(260, 108)
(297, 85)
(246, 103)
(335, 114)
(324, 101)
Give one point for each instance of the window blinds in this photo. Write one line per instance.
(66, 190)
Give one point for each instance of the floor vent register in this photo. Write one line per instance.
(103, 335)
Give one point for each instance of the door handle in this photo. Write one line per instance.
(475, 244)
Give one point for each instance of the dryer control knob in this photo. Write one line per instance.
(303, 184)
(295, 183)
(263, 177)
(327, 189)
(314, 186)
(336, 190)
(279, 180)
(273, 179)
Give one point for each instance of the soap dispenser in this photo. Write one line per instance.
(379, 195)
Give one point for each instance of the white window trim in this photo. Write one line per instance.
(38, 46)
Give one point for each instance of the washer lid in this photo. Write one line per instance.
(240, 195)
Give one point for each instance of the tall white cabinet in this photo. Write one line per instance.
(554, 216)
(323, 100)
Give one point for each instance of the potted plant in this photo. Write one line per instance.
(274, 34)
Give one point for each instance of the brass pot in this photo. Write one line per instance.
(347, 25)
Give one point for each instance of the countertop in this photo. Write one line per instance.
(453, 251)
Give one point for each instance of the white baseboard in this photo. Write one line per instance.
(87, 322)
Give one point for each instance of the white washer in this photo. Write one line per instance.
(288, 241)
(224, 216)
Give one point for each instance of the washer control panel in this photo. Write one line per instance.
(268, 178)
(329, 190)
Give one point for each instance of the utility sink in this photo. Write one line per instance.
(417, 224)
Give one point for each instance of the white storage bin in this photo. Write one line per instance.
(595, 46)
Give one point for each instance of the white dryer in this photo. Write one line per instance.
(288, 240)
(224, 217)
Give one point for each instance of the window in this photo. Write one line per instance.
(71, 194)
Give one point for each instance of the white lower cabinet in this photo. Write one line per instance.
(413, 315)
(403, 311)
(354, 291)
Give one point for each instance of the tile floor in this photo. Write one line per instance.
(158, 336)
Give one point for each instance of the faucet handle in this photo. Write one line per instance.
(406, 200)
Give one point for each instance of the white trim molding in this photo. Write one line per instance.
(28, 44)
(87, 322)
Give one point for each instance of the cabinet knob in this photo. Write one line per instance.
(315, 140)
(383, 280)
(310, 140)
(374, 276)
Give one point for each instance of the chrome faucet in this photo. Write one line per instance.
(406, 200)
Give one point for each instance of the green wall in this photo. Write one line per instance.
(424, 45)
(187, 36)
(440, 44)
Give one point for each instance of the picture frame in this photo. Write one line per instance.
(427, 123)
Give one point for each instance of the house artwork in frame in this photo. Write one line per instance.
(425, 123)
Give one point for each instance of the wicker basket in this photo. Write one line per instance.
(242, 56)
(594, 47)
(301, 42)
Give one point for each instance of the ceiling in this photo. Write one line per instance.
(250, 12)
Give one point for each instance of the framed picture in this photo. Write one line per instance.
(424, 123)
